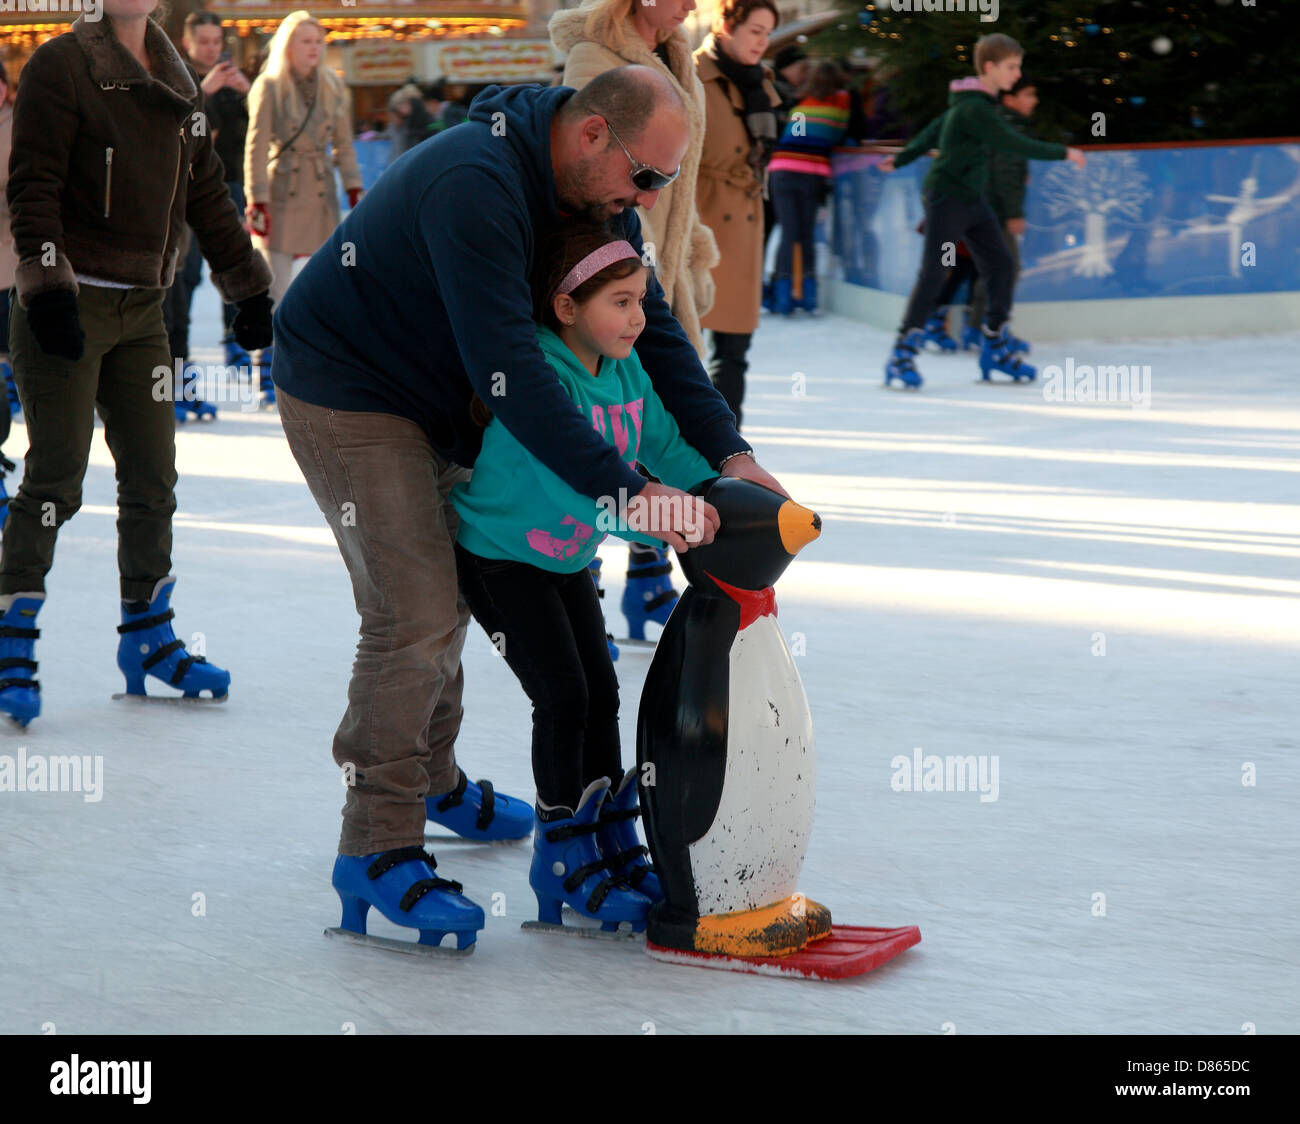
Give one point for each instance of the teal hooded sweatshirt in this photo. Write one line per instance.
(516, 508)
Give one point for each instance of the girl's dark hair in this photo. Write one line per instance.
(560, 251)
(826, 78)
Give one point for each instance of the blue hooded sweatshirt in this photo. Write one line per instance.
(421, 298)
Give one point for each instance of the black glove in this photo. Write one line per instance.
(56, 325)
(252, 326)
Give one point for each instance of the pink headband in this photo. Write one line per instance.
(594, 262)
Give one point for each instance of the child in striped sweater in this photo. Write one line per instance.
(800, 177)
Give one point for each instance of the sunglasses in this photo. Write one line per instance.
(645, 177)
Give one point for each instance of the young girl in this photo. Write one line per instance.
(524, 542)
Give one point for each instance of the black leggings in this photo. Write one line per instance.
(549, 628)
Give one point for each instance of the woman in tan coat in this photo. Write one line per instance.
(740, 104)
(604, 34)
(299, 129)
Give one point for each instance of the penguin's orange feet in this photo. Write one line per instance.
(817, 919)
(774, 930)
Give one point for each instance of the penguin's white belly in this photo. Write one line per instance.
(753, 852)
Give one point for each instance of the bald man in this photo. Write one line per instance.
(420, 300)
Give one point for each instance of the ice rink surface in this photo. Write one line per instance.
(1099, 601)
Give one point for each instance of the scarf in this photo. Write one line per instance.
(759, 116)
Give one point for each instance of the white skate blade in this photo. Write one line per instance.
(583, 927)
(628, 642)
(410, 948)
(461, 841)
(170, 699)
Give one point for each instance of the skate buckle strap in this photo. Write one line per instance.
(570, 831)
(162, 653)
(488, 809)
(660, 599)
(456, 797)
(419, 889)
(614, 815)
(146, 622)
(652, 570)
(13, 632)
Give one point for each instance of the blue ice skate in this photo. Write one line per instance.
(936, 331)
(6, 466)
(971, 337)
(401, 884)
(11, 387)
(619, 843)
(997, 355)
(236, 356)
(593, 568)
(264, 374)
(782, 296)
(902, 360)
(188, 401)
(648, 594)
(20, 694)
(149, 647)
(479, 812)
(568, 869)
(808, 302)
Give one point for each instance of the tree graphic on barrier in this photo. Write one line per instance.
(1111, 186)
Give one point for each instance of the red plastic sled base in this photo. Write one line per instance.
(850, 950)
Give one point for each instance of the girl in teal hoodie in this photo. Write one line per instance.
(522, 548)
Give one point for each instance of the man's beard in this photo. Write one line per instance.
(570, 190)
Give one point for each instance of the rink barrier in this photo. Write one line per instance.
(1147, 240)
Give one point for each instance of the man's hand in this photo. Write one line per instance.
(238, 82)
(1016, 226)
(679, 518)
(217, 78)
(1076, 157)
(887, 164)
(746, 468)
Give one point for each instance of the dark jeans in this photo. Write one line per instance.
(979, 291)
(947, 222)
(962, 272)
(176, 305)
(727, 366)
(125, 342)
(796, 197)
(549, 628)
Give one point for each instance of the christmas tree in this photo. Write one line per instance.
(1110, 71)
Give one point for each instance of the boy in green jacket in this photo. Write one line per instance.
(955, 208)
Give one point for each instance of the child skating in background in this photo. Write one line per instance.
(956, 210)
(523, 545)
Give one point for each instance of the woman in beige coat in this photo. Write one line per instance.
(740, 103)
(599, 36)
(299, 129)
(604, 34)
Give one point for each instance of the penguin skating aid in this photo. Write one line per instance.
(725, 732)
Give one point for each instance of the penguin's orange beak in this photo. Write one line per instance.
(797, 525)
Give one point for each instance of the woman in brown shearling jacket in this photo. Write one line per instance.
(112, 158)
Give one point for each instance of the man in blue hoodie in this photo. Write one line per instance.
(420, 300)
